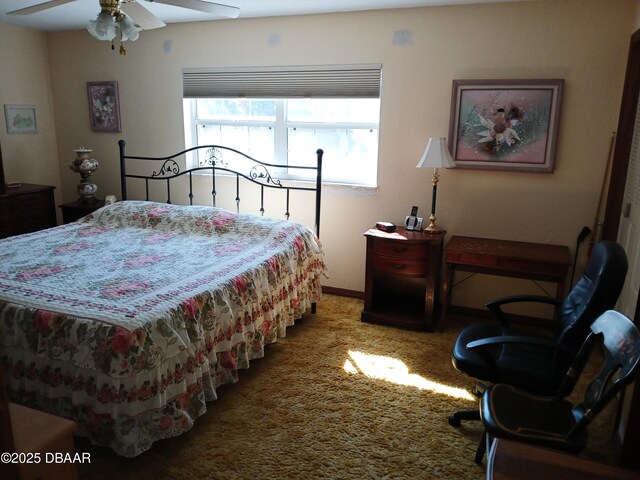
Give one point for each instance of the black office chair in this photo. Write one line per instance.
(554, 422)
(497, 352)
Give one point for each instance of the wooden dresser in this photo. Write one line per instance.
(402, 278)
(27, 208)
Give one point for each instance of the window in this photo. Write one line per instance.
(289, 128)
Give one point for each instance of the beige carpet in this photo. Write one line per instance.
(314, 408)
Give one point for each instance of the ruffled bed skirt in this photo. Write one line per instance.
(130, 413)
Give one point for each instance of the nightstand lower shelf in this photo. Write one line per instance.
(399, 318)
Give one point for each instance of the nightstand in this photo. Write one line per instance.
(73, 211)
(402, 278)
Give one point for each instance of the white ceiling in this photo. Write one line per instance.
(75, 15)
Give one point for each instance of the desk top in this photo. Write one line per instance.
(509, 460)
(408, 235)
(519, 251)
(23, 189)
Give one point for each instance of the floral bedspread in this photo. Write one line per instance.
(129, 319)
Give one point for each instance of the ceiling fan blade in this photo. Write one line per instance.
(141, 16)
(218, 9)
(39, 7)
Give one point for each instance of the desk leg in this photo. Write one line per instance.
(559, 297)
(560, 290)
(446, 286)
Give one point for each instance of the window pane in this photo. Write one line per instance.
(232, 109)
(360, 110)
(289, 131)
(257, 142)
(350, 154)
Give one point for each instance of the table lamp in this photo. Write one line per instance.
(435, 156)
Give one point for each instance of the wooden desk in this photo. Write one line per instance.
(532, 261)
(509, 460)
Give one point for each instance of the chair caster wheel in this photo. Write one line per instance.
(454, 421)
(478, 389)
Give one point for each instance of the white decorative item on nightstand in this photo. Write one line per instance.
(85, 166)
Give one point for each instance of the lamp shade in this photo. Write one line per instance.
(103, 28)
(436, 155)
(129, 29)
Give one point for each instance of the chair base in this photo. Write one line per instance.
(478, 389)
(457, 417)
(454, 420)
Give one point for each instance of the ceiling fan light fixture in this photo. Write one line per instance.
(129, 30)
(130, 17)
(103, 28)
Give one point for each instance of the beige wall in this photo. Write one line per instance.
(584, 42)
(25, 79)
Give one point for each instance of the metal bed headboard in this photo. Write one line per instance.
(215, 162)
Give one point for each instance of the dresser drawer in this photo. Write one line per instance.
(400, 249)
(400, 266)
(26, 209)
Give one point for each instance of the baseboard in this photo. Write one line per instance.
(453, 309)
(342, 292)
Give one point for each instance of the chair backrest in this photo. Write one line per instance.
(620, 341)
(596, 292)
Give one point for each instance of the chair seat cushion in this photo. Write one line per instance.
(509, 412)
(528, 367)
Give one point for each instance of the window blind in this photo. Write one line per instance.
(329, 81)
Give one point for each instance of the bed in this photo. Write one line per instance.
(128, 320)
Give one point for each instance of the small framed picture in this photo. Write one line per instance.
(104, 106)
(21, 118)
(505, 124)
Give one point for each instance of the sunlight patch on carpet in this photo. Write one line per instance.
(395, 371)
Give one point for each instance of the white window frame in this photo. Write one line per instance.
(281, 128)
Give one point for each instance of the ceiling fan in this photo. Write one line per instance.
(131, 17)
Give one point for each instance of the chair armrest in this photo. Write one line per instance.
(521, 339)
(495, 306)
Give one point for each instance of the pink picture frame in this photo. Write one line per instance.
(104, 106)
(509, 125)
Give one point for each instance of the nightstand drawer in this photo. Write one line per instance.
(400, 266)
(400, 249)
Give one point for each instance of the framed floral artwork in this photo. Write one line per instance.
(21, 118)
(505, 124)
(104, 106)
